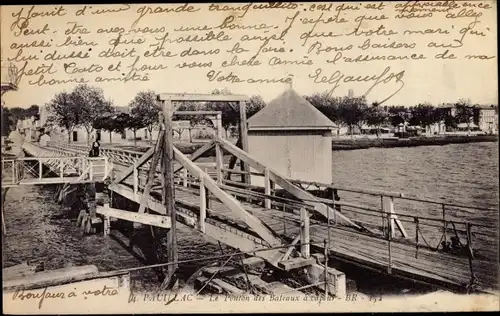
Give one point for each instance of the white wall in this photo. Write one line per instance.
(296, 155)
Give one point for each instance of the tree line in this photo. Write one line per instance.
(10, 117)
(354, 111)
(86, 106)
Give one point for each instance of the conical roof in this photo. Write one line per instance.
(289, 111)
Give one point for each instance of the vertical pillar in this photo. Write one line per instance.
(61, 168)
(219, 125)
(304, 233)
(389, 213)
(136, 179)
(184, 177)
(168, 176)
(107, 223)
(40, 169)
(267, 189)
(203, 206)
(219, 162)
(244, 139)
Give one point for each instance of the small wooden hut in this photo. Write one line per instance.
(293, 138)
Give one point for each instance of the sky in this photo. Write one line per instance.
(429, 80)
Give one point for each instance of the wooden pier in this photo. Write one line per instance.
(297, 227)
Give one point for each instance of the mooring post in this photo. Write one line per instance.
(304, 233)
(203, 206)
(168, 176)
(267, 188)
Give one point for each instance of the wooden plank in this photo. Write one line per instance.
(146, 219)
(201, 97)
(51, 278)
(296, 263)
(219, 162)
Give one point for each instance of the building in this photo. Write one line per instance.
(488, 118)
(293, 138)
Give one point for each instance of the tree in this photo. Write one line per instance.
(423, 115)
(106, 122)
(92, 103)
(376, 116)
(64, 112)
(125, 121)
(230, 116)
(399, 115)
(254, 105)
(464, 113)
(327, 104)
(352, 111)
(6, 121)
(145, 107)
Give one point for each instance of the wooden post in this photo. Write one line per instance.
(40, 169)
(267, 189)
(61, 168)
(219, 162)
(304, 233)
(444, 223)
(168, 176)
(382, 211)
(107, 223)
(185, 177)
(244, 139)
(136, 179)
(388, 210)
(203, 206)
(219, 125)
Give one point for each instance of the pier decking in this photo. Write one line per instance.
(203, 204)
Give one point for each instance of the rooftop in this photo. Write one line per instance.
(289, 111)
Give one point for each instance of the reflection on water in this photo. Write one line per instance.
(38, 228)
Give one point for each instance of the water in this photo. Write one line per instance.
(38, 228)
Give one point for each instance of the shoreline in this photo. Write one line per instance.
(353, 144)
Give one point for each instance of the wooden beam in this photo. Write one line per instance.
(168, 176)
(147, 219)
(201, 97)
(284, 183)
(203, 206)
(290, 249)
(151, 174)
(144, 158)
(244, 139)
(229, 201)
(304, 233)
(197, 112)
(219, 162)
(198, 153)
(229, 238)
(296, 263)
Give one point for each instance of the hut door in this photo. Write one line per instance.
(75, 136)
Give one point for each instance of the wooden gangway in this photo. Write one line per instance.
(48, 167)
(207, 199)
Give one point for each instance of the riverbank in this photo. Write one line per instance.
(364, 143)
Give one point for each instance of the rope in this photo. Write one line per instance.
(428, 245)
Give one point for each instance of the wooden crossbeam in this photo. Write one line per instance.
(229, 201)
(201, 97)
(198, 153)
(147, 219)
(144, 159)
(152, 171)
(284, 183)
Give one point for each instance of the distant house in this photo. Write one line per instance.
(487, 118)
